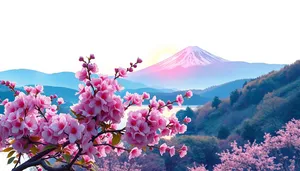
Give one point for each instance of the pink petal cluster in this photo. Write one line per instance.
(183, 151)
(261, 156)
(60, 101)
(179, 99)
(187, 120)
(189, 94)
(135, 152)
(138, 132)
(100, 101)
(175, 127)
(135, 99)
(164, 148)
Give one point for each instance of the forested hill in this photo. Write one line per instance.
(264, 104)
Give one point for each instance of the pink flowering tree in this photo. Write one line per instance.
(114, 163)
(31, 125)
(280, 152)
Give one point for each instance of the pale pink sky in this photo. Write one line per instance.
(49, 36)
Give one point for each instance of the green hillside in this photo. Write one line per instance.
(264, 104)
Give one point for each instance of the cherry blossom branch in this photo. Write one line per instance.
(32, 161)
(19, 159)
(108, 131)
(40, 112)
(121, 148)
(119, 71)
(75, 158)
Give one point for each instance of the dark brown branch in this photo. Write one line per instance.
(35, 160)
(75, 158)
(19, 159)
(104, 132)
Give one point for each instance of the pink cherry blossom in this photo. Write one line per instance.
(179, 99)
(135, 152)
(145, 95)
(82, 75)
(163, 148)
(153, 103)
(189, 94)
(60, 101)
(4, 102)
(187, 120)
(122, 72)
(59, 125)
(171, 151)
(93, 68)
(74, 130)
(183, 151)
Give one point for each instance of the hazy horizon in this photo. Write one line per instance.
(50, 38)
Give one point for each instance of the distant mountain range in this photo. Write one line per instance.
(62, 79)
(190, 68)
(194, 68)
(223, 90)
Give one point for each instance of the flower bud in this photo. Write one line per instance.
(170, 106)
(88, 83)
(116, 70)
(81, 58)
(130, 69)
(139, 60)
(17, 92)
(92, 56)
(12, 85)
(2, 82)
(134, 66)
(7, 83)
(84, 65)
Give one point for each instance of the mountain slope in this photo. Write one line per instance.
(180, 72)
(264, 105)
(223, 90)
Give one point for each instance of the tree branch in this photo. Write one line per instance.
(113, 147)
(34, 160)
(104, 132)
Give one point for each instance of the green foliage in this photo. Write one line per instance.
(234, 96)
(249, 131)
(223, 133)
(191, 127)
(215, 103)
(267, 102)
(245, 83)
(201, 149)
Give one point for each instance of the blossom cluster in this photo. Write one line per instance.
(32, 126)
(268, 155)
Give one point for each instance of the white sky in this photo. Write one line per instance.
(49, 36)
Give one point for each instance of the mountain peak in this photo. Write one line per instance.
(189, 56)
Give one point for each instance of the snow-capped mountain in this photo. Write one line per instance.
(195, 68)
(190, 56)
